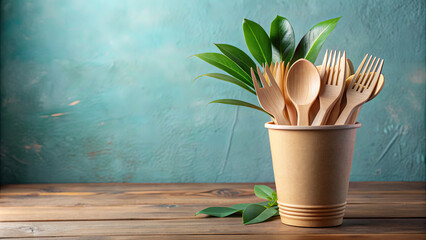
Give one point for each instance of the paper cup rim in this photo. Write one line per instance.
(271, 125)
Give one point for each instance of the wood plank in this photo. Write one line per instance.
(178, 194)
(246, 237)
(129, 187)
(165, 211)
(151, 212)
(386, 210)
(123, 187)
(203, 226)
(164, 198)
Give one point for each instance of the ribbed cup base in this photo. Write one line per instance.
(312, 215)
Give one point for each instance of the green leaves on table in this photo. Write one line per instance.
(251, 212)
(310, 45)
(218, 211)
(267, 193)
(255, 213)
(263, 191)
(224, 211)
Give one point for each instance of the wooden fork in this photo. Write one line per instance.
(377, 89)
(280, 73)
(361, 87)
(332, 87)
(270, 97)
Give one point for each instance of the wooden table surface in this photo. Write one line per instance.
(376, 210)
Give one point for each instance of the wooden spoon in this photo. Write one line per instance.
(303, 85)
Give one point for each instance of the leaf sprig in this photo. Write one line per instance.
(251, 212)
(279, 46)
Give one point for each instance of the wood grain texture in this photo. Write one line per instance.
(303, 85)
(165, 211)
(376, 210)
(220, 226)
(101, 194)
(245, 237)
(417, 187)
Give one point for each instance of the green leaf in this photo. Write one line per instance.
(218, 211)
(273, 200)
(255, 213)
(263, 191)
(238, 56)
(257, 41)
(240, 207)
(239, 103)
(275, 55)
(278, 213)
(282, 37)
(265, 204)
(223, 62)
(274, 196)
(230, 79)
(310, 45)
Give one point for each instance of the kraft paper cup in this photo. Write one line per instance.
(312, 165)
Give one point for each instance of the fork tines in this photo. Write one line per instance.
(363, 80)
(333, 66)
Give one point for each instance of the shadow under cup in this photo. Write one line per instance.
(312, 165)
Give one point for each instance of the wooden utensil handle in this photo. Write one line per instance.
(281, 120)
(320, 117)
(354, 115)
(344, 116)
(303, 115)
(292, 113)
(314, 111)
(334, 113)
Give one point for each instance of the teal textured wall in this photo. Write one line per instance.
(100, 90)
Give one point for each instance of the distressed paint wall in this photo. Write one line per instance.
(100, 91)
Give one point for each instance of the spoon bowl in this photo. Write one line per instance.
(303, 85)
